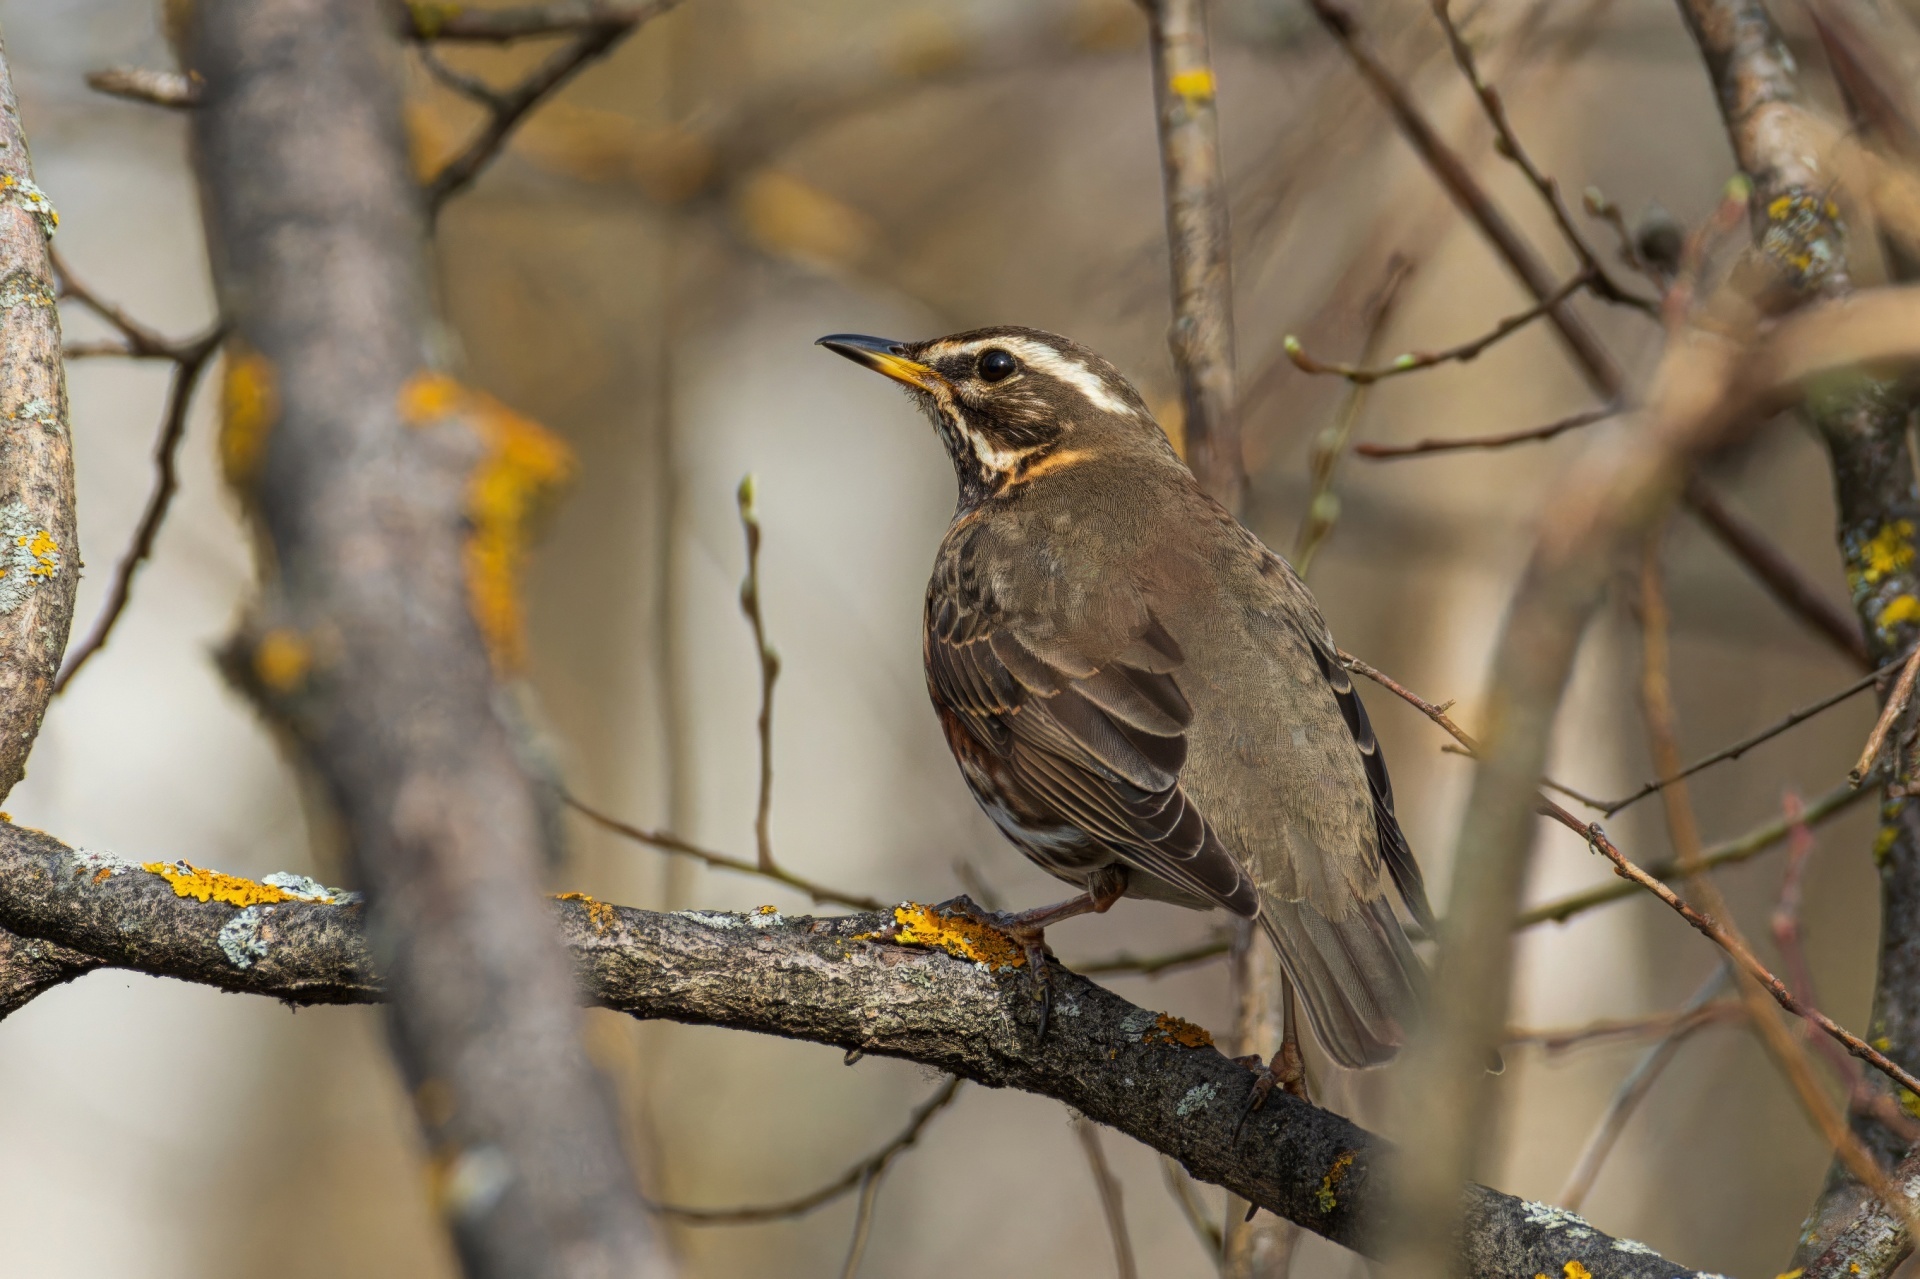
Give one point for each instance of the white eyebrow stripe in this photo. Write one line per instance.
(1044, 359)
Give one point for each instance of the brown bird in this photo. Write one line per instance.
(1141, 695)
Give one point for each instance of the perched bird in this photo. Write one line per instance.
(1141, 695)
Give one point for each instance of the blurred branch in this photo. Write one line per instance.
(769, 673)
(40, 567)
(1559, 426)
(1191, 1208)
(442, 20)
(506, 108)
(668, 842)
(1127, 964)
(844, 1184)
(1639, 1082)
(1201, 338)
(1415, 361)
(376, 645)
(817, 980)
(1507, 143)
(1774, 570)
(150, 85)
(1890, 713)
(1877, 1239)
(1111, 1206)
(1684, 1020)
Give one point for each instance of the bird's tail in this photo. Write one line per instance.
(1358, 977)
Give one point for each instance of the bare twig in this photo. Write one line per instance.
(172, 89)
(1126, 963)
(1507, 143)
(1685, 1019)
(142, 341)
(1414, 361)
(769, 673)
(187, 370)
(1560, 426)
(1608, 807)
(852, 1179)
(671, 843)
(1323, 504)
(435, 20)
(863, 1221)
(1896, 706)
(1111, 1206)
(597, 35)
(1638, 1083)
(1196, 199)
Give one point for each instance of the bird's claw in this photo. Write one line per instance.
(1287, 1071)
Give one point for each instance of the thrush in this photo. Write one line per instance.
(1143, 697)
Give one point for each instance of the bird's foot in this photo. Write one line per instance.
(1286, 1071)
(1026, 929)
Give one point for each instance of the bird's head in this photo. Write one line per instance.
(1013, 404)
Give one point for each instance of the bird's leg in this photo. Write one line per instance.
(1028, 928)
(1287, 1069)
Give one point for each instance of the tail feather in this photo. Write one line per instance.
(1359, 979)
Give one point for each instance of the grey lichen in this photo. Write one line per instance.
(711, 918)
(240, 938)
(22, 193)
(23, 288)
(1198, 1097)
(1554, 1217)
(1137, 1023)
(28, 555)
(475, 1181)
(1633, 1246)
(308, 890)
(100, 866)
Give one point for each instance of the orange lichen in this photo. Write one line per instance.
(1168, 1029)
(212, 885)
(599, 913)
(1330, 1184)
(766, 910)
(282, 659)
(102, 875)
(249, 406)
(1574, 1270)
(523, 466)
(961, 936)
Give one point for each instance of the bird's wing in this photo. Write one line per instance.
(1098, 741)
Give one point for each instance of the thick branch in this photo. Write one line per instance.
(39, 555)
(819, 980)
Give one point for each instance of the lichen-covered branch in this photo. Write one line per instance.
(39, 560)
(1863, 425)
(385, 497)
(826, 981)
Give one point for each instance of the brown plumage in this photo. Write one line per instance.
(1141, 695)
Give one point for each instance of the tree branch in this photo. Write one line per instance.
(826, 981)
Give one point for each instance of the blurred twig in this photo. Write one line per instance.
(172, 89)
(600, 28)
(1559, 426)
(1111, 1206)
(1191, 1208)
(1323, 504)
(427, 20)
(1896, 705)
(769, 672)
(853, 1178)
(1689, 1017)
(1153, 965)
(666, 841)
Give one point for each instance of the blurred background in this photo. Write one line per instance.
(644, 271)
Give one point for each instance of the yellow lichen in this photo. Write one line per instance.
(1168, 1029)
(600, 914)
(523, 466)
(44, 550)
(213, 885)
(1888, 551)
(1574, 1270)
(282, 659)
(1329, 1184)
(1794, 1273)
(1909, 1102)
(766, 910)
(249, 406)
(1883, 843)
(961, 936)
(1195, 85)
(430, 15)
(1901, 608)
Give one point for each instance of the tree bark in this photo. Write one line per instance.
(365, 473)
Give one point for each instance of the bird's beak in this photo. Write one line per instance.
(883, 356)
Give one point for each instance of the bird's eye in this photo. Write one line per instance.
(996, 365)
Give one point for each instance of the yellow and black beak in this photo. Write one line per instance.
(883, 356)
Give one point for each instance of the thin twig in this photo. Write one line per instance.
(1531, 435)
(173, 428)
(1323, 504)
(1111, 1206)
(171, 89)
(856, 1176)
(1638, 1083)
(507, 108)
(1607, 808)
(1153, 965)
(863, 1221)
(1685, 1019)
(1507, 143)
(666, 841)
(143, 341)
(1414, 361)
(769, 671)
(434, 21)
(1204, 1228)
(1889, 715)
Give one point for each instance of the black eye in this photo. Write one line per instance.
(996, 365)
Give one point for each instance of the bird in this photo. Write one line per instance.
(1140, 694)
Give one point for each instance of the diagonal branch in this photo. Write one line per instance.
(819, 980)
(1532, 435)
